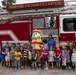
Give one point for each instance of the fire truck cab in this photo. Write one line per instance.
(67, 28)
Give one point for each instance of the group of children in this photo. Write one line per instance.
(18, 55)
(26, 55)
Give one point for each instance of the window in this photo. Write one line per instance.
(50, 22)
(69, 24)
(38, 23)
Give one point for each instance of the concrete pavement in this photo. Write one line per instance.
(12, 71)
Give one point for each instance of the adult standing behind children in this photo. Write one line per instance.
(50, 41)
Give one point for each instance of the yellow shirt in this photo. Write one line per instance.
(17, 55)
(29, 55)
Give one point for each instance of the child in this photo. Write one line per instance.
(68, 59)
(22, 58)
(25, 55)
(71, 51)
(22, 51)
(29, 56)
(7, 57)
(0, 55)
(74, 58)
(17, 56)
(51, 56)
(18, 45)
(57, 55)
(12, 56)
(13, 45)
(46, 56)
(64, 54)
(42, 56)
(33, 57)
(3, 57)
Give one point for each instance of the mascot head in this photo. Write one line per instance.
(36, 34)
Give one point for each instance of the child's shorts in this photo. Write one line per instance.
(7, 59)
(3, 59)
(46, 59)
(33, 60)
(0, 59)
(73, 62)
(57, 60)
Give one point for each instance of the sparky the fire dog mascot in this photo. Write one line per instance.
(37, 41)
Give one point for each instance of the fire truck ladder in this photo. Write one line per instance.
(67, 9)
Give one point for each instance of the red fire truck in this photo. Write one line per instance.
(19, 29)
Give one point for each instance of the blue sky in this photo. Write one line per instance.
(30, 1)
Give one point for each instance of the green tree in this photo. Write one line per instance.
(8, 2)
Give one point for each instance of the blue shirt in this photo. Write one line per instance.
(0, 54)
(64, 52)
(4, 47)
(50, 43)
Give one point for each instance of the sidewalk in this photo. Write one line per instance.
(11, 71)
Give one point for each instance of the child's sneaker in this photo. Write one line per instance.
(26, 67)
(75, 69)
(18, 68)
(15, 68)
(42, 67)
(34, 68)
(52, 67)
(69, 67)
(46, 68)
